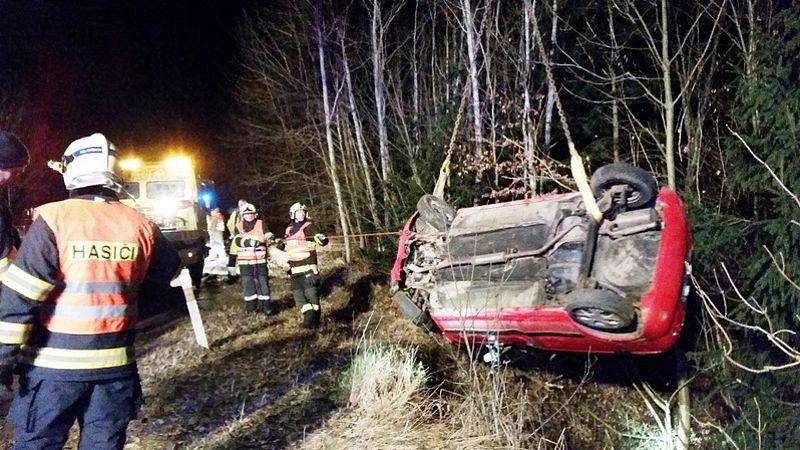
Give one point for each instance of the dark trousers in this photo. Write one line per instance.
(255, 285)
(44, 410)
(305, 290)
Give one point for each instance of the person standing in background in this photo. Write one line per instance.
(13, 160)
(252, 238)
(233, 219)
(302, 238)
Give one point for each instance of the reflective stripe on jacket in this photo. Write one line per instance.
(258, 253)
(5, 261)
(101, 266)
(298, 247)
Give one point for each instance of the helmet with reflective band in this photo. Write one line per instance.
(91, 161)
(294, 208)
(247, 208)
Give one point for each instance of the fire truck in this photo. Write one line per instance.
(168, 192)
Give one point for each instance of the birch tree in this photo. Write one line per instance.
(361, 145)
(529, 15)
(340, 204)
(471, 34)
(551, 94)
(377, 31)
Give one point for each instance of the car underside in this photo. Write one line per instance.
(542, 272)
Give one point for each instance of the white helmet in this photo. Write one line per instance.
(247, 208)
(296, 207)
(91, 161)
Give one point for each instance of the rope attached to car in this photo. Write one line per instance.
(576, 162)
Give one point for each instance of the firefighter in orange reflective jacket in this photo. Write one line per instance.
(13, 159)
(251, 240)
(69, 307)
(302, 239)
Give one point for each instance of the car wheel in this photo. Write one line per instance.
(642, 186)
(436, 212)
(600, 309)
(413, 312)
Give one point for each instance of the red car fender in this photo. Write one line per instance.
(663, 300)
(402, 249)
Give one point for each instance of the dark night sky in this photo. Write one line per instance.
(148, 74)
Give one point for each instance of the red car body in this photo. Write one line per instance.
(661, 309)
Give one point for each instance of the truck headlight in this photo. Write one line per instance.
(166, 208)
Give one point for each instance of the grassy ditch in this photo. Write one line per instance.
(367, 379)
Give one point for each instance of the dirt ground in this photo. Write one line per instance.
(262, 383)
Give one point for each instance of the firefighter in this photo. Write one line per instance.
(217, 259)
(252, 238)
(13, 160)
(68, 307)
(233, 219)
(302, 239)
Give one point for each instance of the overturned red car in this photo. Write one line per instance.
(542, 272)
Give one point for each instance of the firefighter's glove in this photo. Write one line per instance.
(7, 375)
(250, 242)
(270, 238)
(320, 239)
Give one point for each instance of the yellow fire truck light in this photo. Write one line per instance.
(166, 208)
(130, 164)
(178, 163)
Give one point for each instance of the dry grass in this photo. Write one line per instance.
(386, 403)
(383, 378)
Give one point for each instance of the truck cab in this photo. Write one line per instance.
(166, 192)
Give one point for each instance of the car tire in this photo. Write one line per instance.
(412, 312)
(642, 185)
(436, 212)
(600, 309)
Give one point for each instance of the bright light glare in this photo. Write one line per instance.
(178, 163)
(207, 197)
(130, 164)
(166, 208)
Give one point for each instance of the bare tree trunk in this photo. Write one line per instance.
(446, 69)
(394, 96)
(472, 64)
(349, 173)
(527, 126)
(329, 138)
(380, 100)
(415, 88)
(360, 144)
(434, 99)
(669, 103)
(491, 89)
(615, 122)
(612, 69)
(551, 94)
(748, 47)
